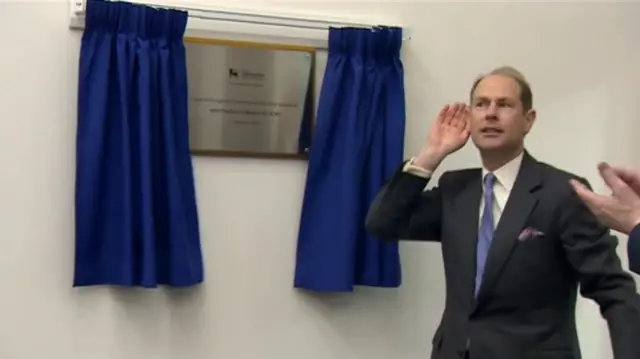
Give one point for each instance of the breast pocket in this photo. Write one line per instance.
(536, 236)
(535, 250)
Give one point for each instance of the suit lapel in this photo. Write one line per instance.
(522, 200)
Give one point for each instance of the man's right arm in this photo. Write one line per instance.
(403, 210)
(633, 250)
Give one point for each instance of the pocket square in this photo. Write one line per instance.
(529, 233)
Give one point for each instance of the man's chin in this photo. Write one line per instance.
(488, 145)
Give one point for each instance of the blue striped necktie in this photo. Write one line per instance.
(485, 233)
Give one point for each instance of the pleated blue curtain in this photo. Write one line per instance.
(135, 206)
(357, 143)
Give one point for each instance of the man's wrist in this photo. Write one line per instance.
(416, 170)
(428, 159)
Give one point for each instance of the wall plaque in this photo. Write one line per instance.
(249, 99)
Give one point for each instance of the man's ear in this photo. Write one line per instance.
(530, 117)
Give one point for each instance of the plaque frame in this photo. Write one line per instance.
(310, 101)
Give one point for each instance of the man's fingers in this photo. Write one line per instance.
(590, 198)
(442, 115)
(581, 190)
(626, 174)
(449, 114)
(443, 112)
(467, 120)
(455, 116)
(630, 176)
(611, 178)
(460, 117)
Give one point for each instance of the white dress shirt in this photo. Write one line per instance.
(505, 179)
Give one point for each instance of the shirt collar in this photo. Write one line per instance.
(506, 175)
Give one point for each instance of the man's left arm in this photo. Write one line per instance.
(633, 249)
(591, 250)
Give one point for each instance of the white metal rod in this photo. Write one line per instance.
(274, 20)
(79, 7)
(270, 23)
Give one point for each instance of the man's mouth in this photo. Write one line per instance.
(491, 131)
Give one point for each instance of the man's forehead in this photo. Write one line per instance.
(498, 86)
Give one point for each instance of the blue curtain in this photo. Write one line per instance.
(357, 143)
(135, 208)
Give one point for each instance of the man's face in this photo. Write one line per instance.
(498, 121)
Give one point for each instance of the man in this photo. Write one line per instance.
(621, 210)
(516, 240)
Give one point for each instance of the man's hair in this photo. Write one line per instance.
(526, 96)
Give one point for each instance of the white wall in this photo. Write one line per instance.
(582, 60)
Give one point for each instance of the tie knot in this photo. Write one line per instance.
(489, 180)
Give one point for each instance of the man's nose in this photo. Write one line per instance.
(492, 113)
(492, 110)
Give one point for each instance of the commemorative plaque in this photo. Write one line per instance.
(249, 100)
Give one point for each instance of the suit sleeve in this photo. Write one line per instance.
(403, 210)
(591, 251)
(633, 250)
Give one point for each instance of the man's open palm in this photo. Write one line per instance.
(451, 130)
(621, 210)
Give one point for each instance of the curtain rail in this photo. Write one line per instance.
(78, 9)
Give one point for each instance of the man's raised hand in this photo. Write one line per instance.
(448, 134)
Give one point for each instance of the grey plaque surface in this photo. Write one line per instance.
(246, 99)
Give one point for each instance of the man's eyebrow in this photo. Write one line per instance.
(485, 98)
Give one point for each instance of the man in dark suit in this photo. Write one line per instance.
(516, 240)
(621, 210)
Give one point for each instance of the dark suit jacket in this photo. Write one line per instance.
(633, 250)
(526, 306)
